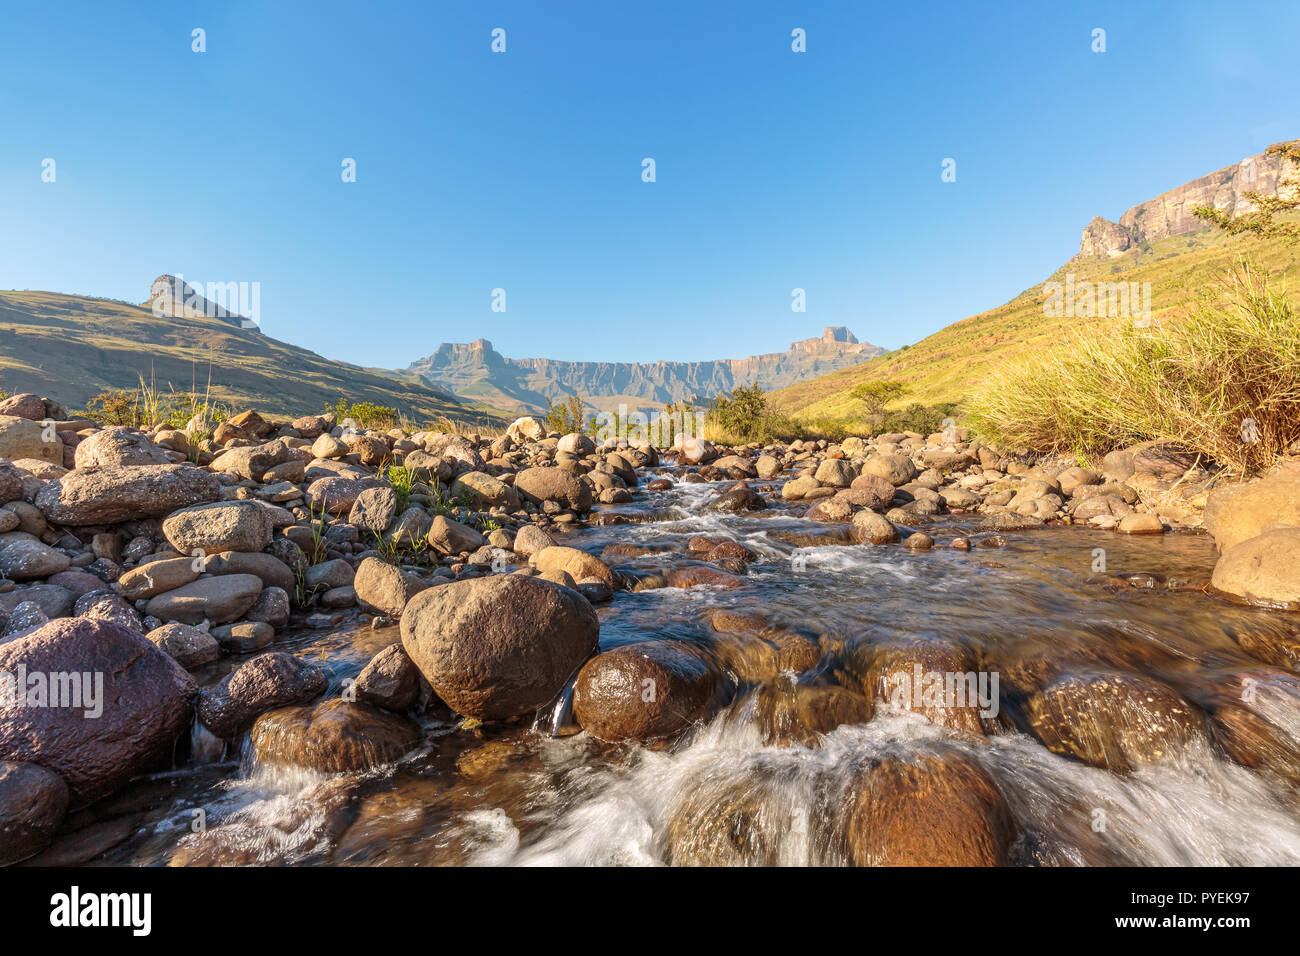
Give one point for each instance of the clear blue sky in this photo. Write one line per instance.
(522, 170)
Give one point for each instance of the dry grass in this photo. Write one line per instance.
(1224, 380)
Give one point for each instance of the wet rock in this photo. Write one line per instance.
(797, 489)
(702, 576)
(726, 823)
(145, 700)
(1136, 523)
(737, 499)
(939, 809)
(498, 646)
(243, 637)
(1237, 513)
(384, 589)
(218, 599)
(918, 541)
(128, 493)
(188, 646)
(334, 736)
(875, 492)
(1115, 721)
(264, 683)
(795, 714)
(936, 678)
(33, 802)
(647, 691)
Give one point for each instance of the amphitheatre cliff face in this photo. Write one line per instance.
(1170, 214)
(475, 370)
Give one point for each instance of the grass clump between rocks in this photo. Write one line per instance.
(1223, 380)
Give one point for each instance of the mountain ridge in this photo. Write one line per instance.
(475, 371)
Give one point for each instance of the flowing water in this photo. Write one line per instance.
(1039, 603)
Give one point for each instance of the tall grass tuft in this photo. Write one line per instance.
(1224, 381)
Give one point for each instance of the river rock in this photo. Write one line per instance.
(384, 589)
(391, 680)
(374, 510)
(498, 646)
(835, 473)
(264, 683)
(483, 491)
(451, 537)
(273, 571)
(895, 469)
(113, 447)
(868, 527)
(128, 493)
(33, 802)
(338, 495)
(796, 714)
(156, 577)
(576, 563)
(1263, 570)
(221, 526)
(334, 736)
(940, 809)
(24, 438)
(646, 691)
(218, 599)
(531, 540)
(554, 484)
(1112, 720)
(24, 558)
(188, 646)
(1237, 513)
(146, 705)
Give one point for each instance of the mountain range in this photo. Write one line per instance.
(476, 372)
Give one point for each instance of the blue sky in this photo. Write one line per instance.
(522, 170)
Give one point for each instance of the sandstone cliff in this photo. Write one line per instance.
(1170, 214)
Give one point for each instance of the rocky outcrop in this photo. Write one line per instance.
(1170, 213)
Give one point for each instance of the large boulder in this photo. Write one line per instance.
(1263, 570)
(1237, 513)
(384, 589)
(526, 429)
(391, 680)
(33, 802)
(554, 484)
(126, 704)
(220, 526)
(835, 473)
(263, 683)
(156, 577)
(646, 691)
(939, 809)
(24, 438)
(129, 493)
(251, 461)
(24, 405)
(219, 600)
(498, 646)
(114, 447)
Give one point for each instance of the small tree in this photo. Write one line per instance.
(1262, 222)
(567, 417)
(876, 395)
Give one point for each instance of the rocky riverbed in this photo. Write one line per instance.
(534, 649)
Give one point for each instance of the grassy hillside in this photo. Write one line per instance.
(947, 366)
(71, 348)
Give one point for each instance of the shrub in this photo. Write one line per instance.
(744, 416)
(365, 414)
(567, 417)
(1224, 381)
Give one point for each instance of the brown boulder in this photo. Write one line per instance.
(129, 493)
(334, 736)
(498, 646)
(263, 683)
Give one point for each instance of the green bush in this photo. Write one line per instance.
(365, 414)
(567, 417)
